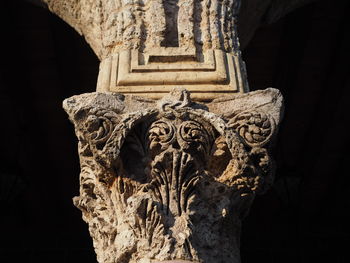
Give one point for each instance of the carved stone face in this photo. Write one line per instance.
(168, 182)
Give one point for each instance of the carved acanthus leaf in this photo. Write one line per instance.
(166, 178)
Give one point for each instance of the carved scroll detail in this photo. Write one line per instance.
(171, 181)
(256, 128)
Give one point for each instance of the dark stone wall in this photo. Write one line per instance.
(303, 218)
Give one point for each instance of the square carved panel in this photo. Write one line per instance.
(207, 75)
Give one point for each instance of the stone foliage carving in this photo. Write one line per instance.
(171, 179)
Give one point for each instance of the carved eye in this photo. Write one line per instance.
(256, 128)
(99, 129)
(161, 133)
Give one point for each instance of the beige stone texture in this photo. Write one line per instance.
(147, 48)
(171, 180)
(165, 177)
(111, 26)
(131, 72)
(252, 15)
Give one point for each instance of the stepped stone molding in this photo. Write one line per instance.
(171, 180)
(132, 72)
(165, 178)
(149, 47)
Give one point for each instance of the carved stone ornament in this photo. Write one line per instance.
(168, 180)
(148, 47)
(171, 180)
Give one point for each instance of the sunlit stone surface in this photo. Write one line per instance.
(169, 174)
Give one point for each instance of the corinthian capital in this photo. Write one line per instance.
(169, 174)
(170, 180)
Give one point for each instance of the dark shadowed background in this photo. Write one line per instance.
(303, 218)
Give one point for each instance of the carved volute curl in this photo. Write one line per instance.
(174, 180)
(169, 179)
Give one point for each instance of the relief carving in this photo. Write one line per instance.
(149, 47)
(168, 180)
(174, 180)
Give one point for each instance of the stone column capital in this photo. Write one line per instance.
(171, 180)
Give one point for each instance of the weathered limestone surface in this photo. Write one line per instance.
(168, 180)
(252, 15)
(171, 179)
(150, 47)
(110, 26)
